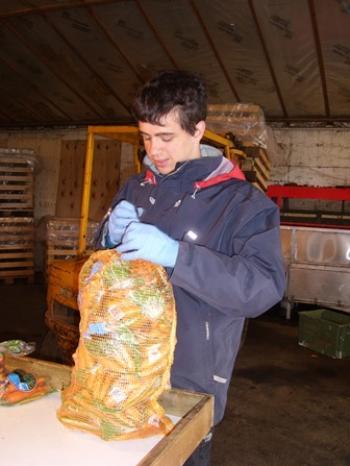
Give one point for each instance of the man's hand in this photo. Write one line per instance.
(122, 215)
(143, 241)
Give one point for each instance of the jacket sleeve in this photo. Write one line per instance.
(248, 282)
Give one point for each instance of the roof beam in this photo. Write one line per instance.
(215, 51)
(110, 39)
(311, 118)
(86, 63)
(6, 116)
(54, 7)
(319, 55)
(155, 33)
(267, 57)
(8, 91)
(51, 68)
(34, 88)
(21, 111)
(309, 122)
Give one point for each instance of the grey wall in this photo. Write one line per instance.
(315, 157)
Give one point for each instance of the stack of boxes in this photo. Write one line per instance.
(244, 124)
(16, 215)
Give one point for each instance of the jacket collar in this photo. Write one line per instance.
(206, 151)
(211, 169)
(225, 171)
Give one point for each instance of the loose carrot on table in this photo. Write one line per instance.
(12, 395)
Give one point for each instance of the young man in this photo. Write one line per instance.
(192, 212)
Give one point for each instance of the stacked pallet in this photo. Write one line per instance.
(244, 124)
(16, 215)
(256, 166)
(245, 121)
(62, 238)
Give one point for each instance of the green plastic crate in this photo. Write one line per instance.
(326, 332)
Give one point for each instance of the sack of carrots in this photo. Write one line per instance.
(19, 386)
(125, 350)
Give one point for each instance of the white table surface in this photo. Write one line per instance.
(31, 435)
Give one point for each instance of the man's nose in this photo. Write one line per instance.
(154, 146)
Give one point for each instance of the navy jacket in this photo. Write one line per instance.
(229, 265)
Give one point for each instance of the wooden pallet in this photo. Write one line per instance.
(260, 154)
(63, 236)
(16, 184)
(256, 179)
(255, 171)
(16, 248)
(105, 180)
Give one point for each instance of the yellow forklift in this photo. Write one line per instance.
(62, 314)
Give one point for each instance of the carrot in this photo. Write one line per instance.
(40, 381)
(90, 382)
(105, 386)
(85, 407)
(99, 376)
(16, 396)
(85, 358)
(11, 387)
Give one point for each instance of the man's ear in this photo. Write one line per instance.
(200, 128)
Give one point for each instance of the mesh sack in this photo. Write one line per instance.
(125, 350)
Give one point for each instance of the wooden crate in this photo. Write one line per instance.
(193, 412)
(16, 248)
(62, 236)
(16, 183)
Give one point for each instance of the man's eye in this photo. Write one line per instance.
(167, 138)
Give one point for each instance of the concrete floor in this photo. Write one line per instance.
(288, 406)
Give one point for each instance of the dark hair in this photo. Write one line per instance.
(172, 90)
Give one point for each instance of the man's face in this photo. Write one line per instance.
(167, 143)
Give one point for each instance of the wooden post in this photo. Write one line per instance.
(85, 201)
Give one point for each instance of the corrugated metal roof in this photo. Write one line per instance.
(75, 62)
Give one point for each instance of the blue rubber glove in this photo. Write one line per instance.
(122, 215)
(143, 241)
